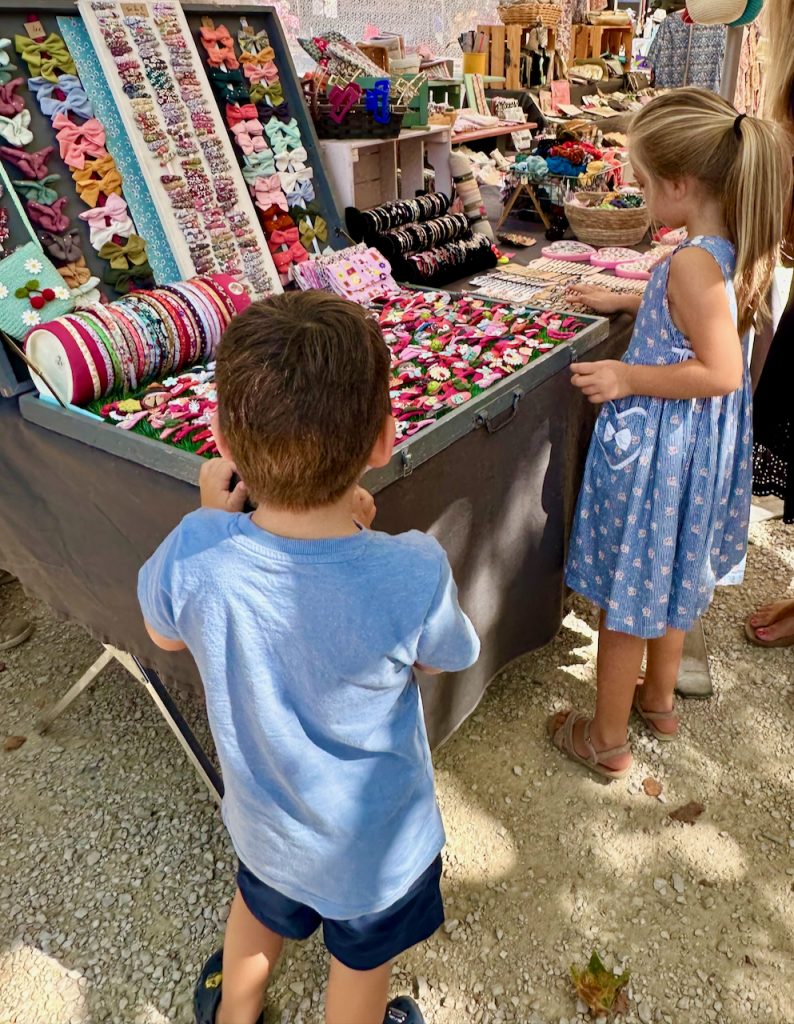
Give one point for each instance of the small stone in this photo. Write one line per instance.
(298, 988)
(660, 885)
(645, 1013)
(517, 769)
(93, 858)
(678, 883)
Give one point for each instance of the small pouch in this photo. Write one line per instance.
(620, 435)
(31, 291)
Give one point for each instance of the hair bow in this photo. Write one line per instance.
(106, 221)
(51, 217)
(32, 165)
(15, 129)
(286, 236)
(276, 221)
(219, 46)
(76, 274)
(310, 232)
(87, 294)
(292, 159)
(97, 178)
(268, 192)
(295, 254)
(301, 194)
(248, 136)
(283, 136)
(9, 103)
(235, 113)
(252, 41)
(258, 165)
(46, 58)
(72, 99)
(5, 58)
(279, 112)
(122, 257)
(124, 280)
(65, 248)
(258, 70)
(274, 94)
(229, 86)
(38, 189)
(76, 142)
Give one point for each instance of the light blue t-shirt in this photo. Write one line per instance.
(305, 649)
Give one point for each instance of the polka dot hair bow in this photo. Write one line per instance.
(32, 165)
(10, 104)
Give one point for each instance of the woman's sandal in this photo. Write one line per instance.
(562, 738)
(649, 718)
(758, 641)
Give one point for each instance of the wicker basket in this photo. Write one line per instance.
(530, 13)
(606, 227)
(358, 123)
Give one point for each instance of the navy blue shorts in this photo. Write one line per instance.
(361, 943)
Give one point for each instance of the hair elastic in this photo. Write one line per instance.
(737, 125)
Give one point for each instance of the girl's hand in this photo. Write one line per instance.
(603, 381)
(215, 480)
(598, 299)
(363, 508)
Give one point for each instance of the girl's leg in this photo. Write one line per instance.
(250, 951)
(356, 997)
(661, 676)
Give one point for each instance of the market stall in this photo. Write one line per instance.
(187, 120)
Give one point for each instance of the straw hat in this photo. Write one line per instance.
(751, 12)
(715, 12)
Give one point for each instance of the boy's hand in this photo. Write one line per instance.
(602, 381)
(214, 482)
(600, 300)
(364, 508)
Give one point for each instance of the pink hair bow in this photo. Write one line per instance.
(76, 142)
(287, 237)
(248, 136)
(268, 192)
(267, 72)
(106, 221)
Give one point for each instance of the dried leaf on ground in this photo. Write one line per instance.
(651, 787)
(621, 1005)
(598, 987)
(13, 742)
(688, 813)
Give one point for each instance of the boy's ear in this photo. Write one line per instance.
(220, 440)
(384, 445)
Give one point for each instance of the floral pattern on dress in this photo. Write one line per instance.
(664, 508)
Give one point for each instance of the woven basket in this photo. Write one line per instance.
(530, 13)
(606, 227)
(358, 123)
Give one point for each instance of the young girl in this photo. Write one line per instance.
(664, 507)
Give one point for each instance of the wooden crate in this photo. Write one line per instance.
(496, 36)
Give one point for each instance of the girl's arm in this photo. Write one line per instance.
(699, 307)
(603, 301)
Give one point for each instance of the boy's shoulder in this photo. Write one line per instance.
(201, 530)
(412, 546)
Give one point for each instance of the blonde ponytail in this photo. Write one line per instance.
(741, 161)
(779, 66)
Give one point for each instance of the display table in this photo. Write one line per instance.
(501, 130)
(76, 523)
(363, 172)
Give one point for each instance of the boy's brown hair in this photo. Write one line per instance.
(303, 392)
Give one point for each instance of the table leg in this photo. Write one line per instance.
(694, 677)
(340, 161)
(511, 202)
(533, 195)
(71, 695)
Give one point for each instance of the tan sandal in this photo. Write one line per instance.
(562, 738)
(651, 717)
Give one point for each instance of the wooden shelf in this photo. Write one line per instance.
(461, 138)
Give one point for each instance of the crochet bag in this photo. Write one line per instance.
(31, 291)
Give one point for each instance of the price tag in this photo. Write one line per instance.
(35, 29)
(135, 10)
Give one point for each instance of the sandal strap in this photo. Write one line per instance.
(599, 756)
(653, 716)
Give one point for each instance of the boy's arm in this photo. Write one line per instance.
(447, 642)
(162, 641)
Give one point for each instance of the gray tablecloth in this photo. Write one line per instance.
(76, 524)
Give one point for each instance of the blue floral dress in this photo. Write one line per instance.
(664, 508)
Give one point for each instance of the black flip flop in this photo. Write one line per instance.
(207, 994)
(403, 1010)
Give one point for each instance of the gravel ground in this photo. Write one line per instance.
(115, 872)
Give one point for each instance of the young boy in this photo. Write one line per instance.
(306, 629)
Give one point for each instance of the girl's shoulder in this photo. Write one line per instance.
(719, 248)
